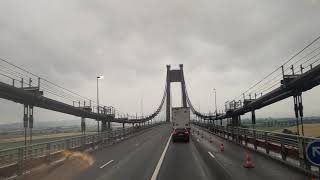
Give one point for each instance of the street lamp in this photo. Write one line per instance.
(215, 99)
(98, 108)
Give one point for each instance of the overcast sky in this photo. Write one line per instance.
(227, 45)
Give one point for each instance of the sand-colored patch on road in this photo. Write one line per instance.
(75, 163)
(85, 157)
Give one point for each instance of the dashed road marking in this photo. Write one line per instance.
(106, 164)
(211, 155)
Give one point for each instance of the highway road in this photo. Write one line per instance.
(152, 154)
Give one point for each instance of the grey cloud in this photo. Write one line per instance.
(229, 44)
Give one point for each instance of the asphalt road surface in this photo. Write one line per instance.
(152, 155)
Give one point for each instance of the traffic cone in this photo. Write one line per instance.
(221, 147)
(248, 163)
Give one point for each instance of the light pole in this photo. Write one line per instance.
(141, 106)
(215, 102)
(98, 108)
(215, 99)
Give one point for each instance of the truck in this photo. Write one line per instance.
(181, 117)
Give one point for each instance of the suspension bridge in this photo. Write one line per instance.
(142, 149)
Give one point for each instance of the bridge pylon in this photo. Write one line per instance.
(174, 75)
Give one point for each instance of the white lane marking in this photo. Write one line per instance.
(13, 177)
(106, 164)
(156, 171)
(211, 155)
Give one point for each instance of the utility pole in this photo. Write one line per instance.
(98, 106)
(141, 105)
(215, 99)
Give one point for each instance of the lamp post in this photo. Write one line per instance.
(215, 99)
(98, 108)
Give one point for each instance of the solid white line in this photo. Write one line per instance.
(211, 155)
(106, 164)
(156, 171)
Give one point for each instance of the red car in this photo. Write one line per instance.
(180, 134)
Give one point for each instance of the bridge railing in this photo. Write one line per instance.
(22, 158)
(287, 148)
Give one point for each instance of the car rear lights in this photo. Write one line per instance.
(174, 132)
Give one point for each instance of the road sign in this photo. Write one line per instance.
(313, 152)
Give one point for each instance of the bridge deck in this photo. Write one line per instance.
(137, 158)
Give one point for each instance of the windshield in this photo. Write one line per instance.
(159, 89)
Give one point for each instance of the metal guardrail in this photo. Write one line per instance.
(17, 156)
(284, 144)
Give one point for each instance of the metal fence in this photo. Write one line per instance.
(288, 146)
(17, 156)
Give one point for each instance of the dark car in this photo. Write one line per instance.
(180, 134)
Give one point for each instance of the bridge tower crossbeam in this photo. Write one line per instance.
(175, 75)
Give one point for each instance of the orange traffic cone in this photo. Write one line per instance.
(248, 163)
(221, 147)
